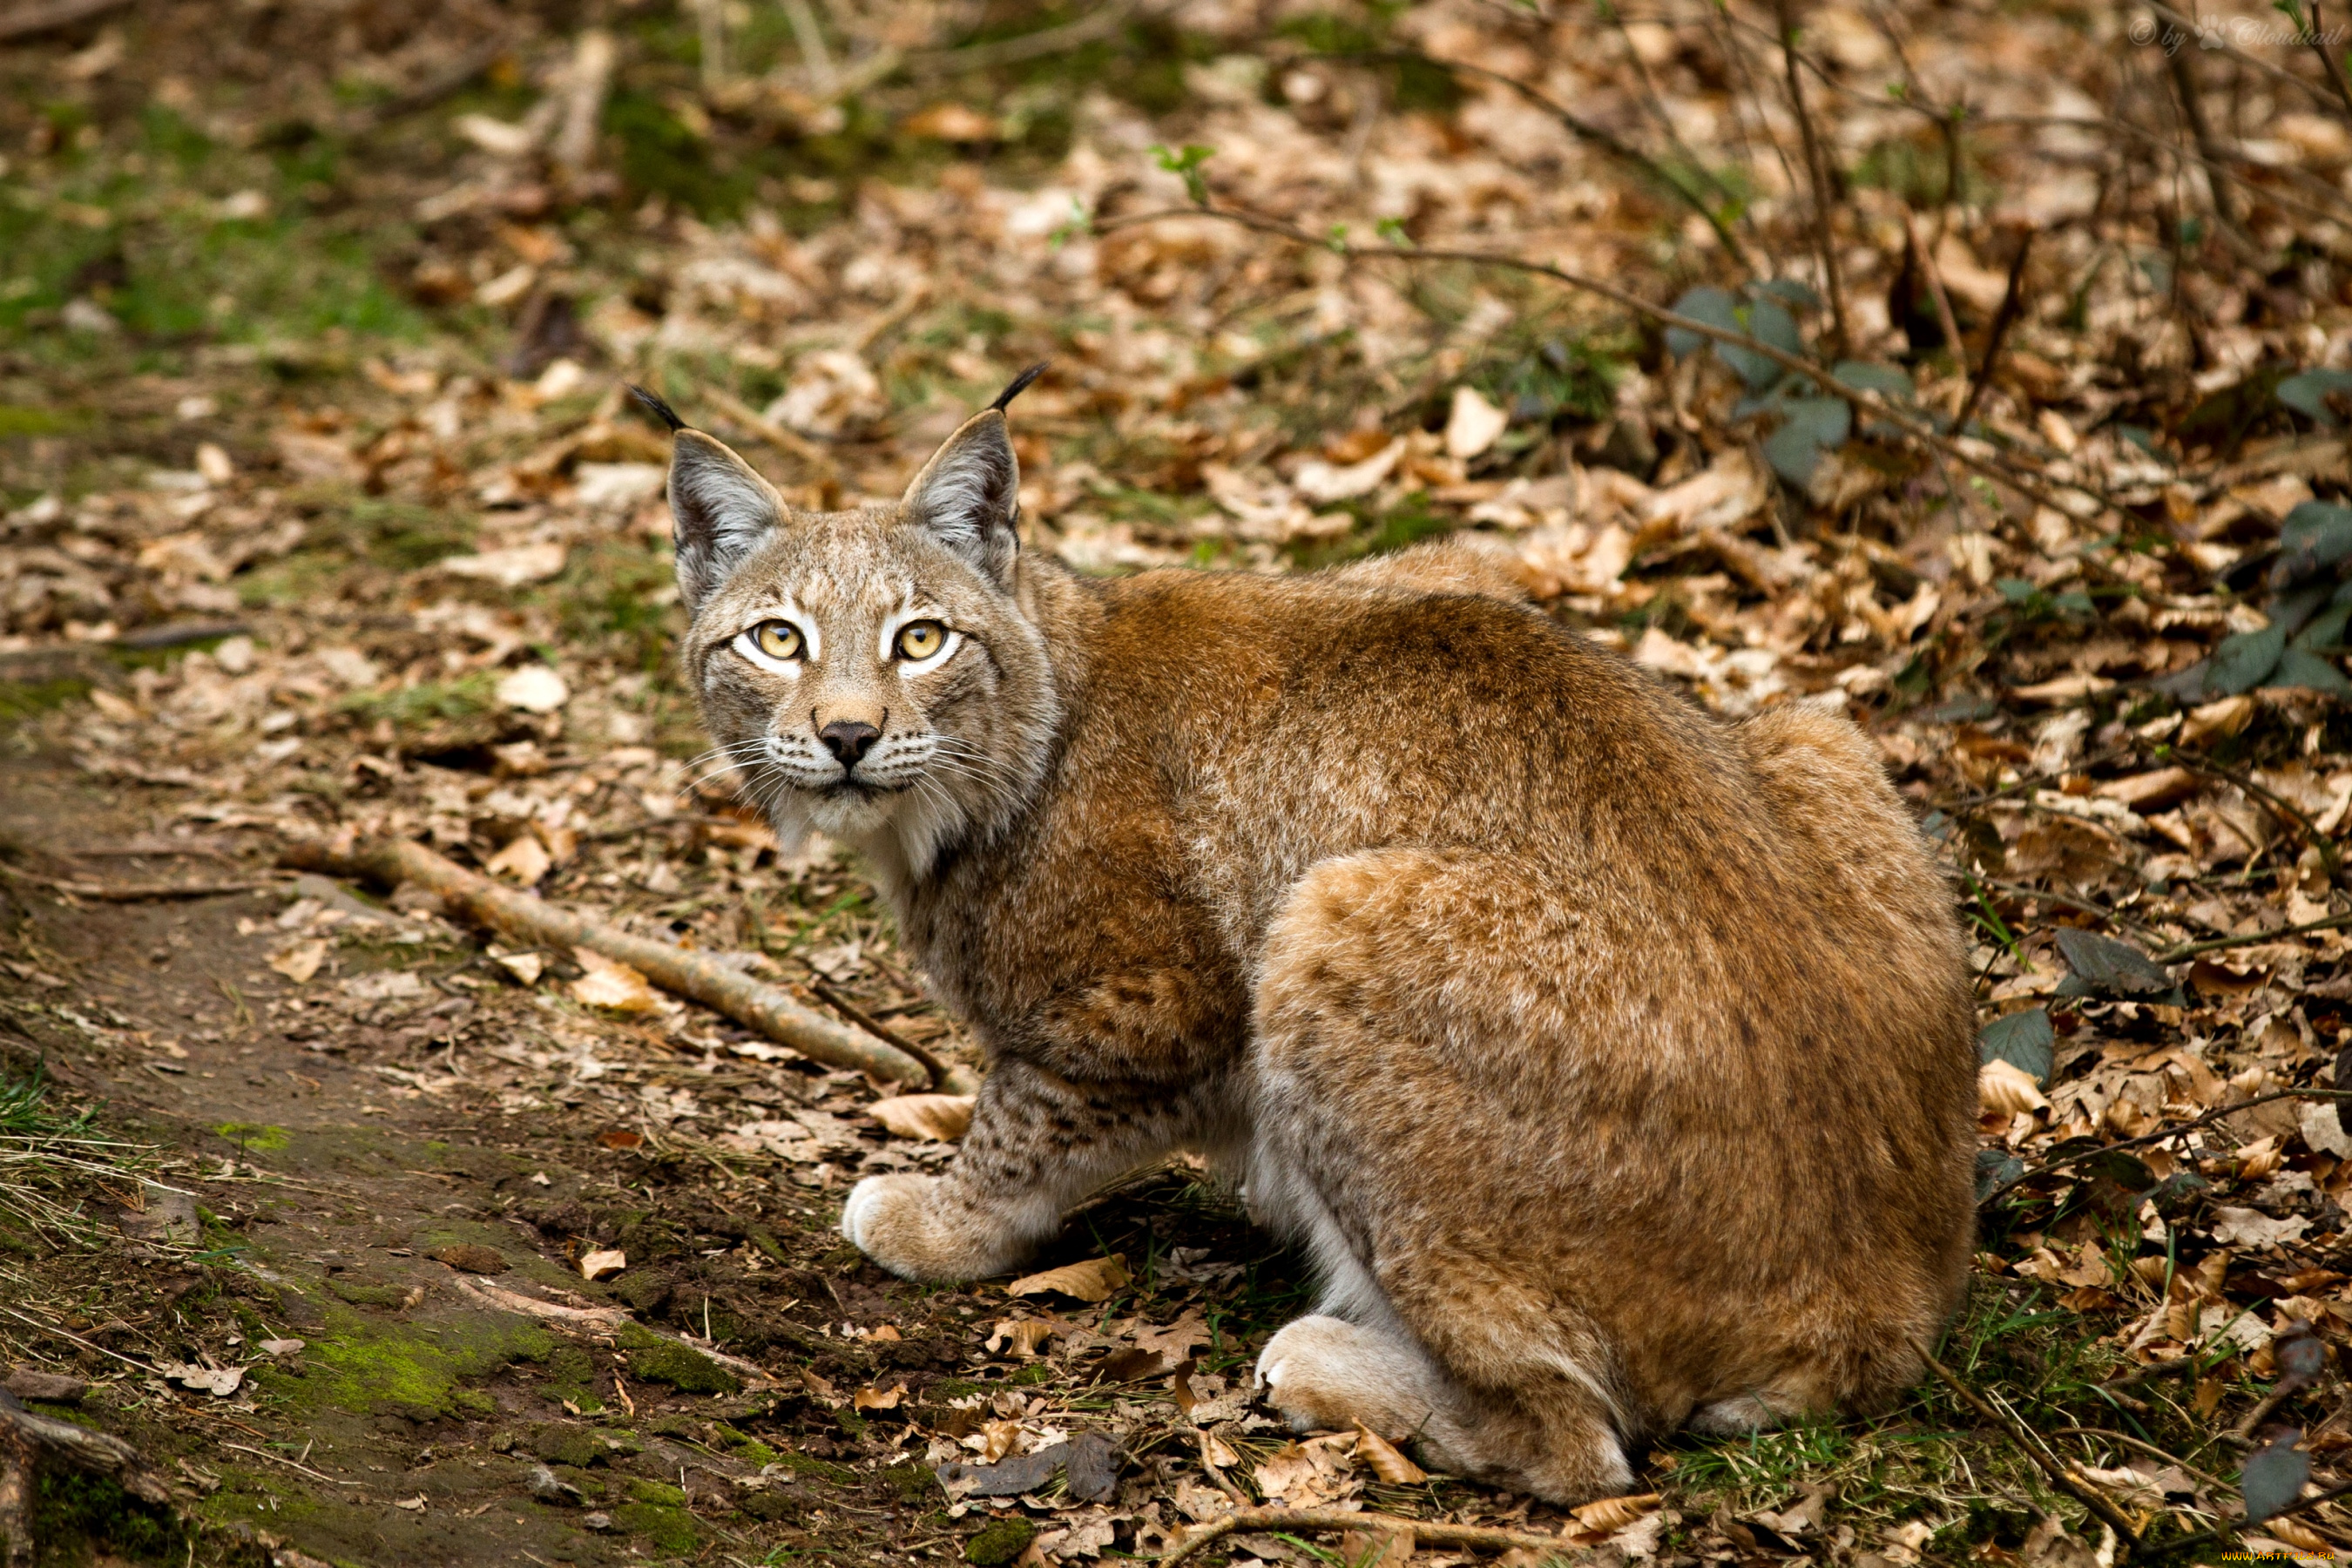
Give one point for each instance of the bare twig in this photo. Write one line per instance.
(2209, 147)
(526, 918)
(1584, 129)
(2214, 40)
(2160, 1135)
(1862, 400)
(2317, 36)
(777, 435)
(1095, 25)
(2062, 1474)
(2249, 939)
(2284, 809)
(832, 996)
(2208, 1537)
(132, 892)
(1817, 165)
(2012, 302)
(2150, 1449)
(1935, 276)
(35, 19)
(822, 77)
(588, 79)
(1423, 1531)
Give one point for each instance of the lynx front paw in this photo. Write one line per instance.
(1327, 1374)
(903, 1223)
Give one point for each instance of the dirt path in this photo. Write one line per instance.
(460, 1392)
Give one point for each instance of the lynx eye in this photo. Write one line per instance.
(920, 639)
(777, 639)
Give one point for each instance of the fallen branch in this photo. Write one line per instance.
(527, 918)
(2208, 1537)
(132, 892)
(2062, 1474)
(1866, 404)
(30, 1443)
(1423, 1532)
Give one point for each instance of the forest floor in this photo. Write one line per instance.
(323, 518)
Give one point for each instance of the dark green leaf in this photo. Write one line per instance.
(2241, 662)
(2325, 630)
(1768, 321)
(1714, 306)
(1996, 1168)
(2274, 1477)
(1790, 289)
(2298, 668)
(2116, 968)
(2315, 535)
(1813, 425)
(2307, 394)
(2024, 1040)
(1883, 379)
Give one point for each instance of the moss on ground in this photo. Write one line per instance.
(371, 1367)
(658, 1359)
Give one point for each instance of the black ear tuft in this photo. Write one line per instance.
(1020, 384)
(653, 404)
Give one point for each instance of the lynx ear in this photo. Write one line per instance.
(720, 509)
(968, 496)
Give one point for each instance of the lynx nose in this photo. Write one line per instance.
(848, 740)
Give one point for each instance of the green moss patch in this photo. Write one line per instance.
(254, 1136)
(658, 1359)
(370, 1367)
(1000, 1543)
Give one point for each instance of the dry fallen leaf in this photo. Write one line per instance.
(525, 859)
(610, 983)
(941, 1117)
(597, 1264)
(526, 967)
(1022, 1336)
(533, 688)
(1386, 1462)
(300, 962)
(1472, 424)
(1094, 1279)
(2006, 1087)
(879, 1398)
(1613, 1513)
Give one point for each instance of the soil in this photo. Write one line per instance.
(424, 1418)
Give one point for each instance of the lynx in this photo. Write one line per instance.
(1612, 1063)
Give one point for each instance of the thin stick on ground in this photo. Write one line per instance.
(1584, 129)
(1944, 319)
(2162, 1133)
(1865, 402)
(132, 892)
(2012, 302)
(2061, 1474)
(832, 997)
(1817, 168)
(1423, 1532)
(527, 918)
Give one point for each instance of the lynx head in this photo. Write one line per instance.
(868, 674)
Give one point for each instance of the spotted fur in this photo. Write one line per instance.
(1613, 1063)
